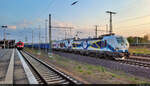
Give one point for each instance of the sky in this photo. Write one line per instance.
(23, 16)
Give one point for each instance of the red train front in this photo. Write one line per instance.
(20, 45)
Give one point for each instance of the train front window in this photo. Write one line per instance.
(19, 43)
(120, 40)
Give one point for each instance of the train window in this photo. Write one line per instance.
(19, 43)
(120, 40)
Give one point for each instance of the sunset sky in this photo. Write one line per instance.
(23, 16)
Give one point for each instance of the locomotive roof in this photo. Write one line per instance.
(88, 39)
(100, 37)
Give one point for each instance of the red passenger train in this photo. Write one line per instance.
(20, 45)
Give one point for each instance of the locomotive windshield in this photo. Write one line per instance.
(121, 40)
(19, 43)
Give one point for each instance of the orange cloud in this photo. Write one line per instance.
(12, 27)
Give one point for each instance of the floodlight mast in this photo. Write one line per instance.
(110, 25)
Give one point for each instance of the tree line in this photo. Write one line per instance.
(133, 40)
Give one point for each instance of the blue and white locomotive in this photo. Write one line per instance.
(106, 46)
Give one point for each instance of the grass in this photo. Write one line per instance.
(139, 50)
(90, 71)
(93, 73)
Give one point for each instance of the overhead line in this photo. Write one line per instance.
(47, 7)
(134, 25)
(51, 2)
(134, 18)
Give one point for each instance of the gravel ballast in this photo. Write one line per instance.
(137, 71)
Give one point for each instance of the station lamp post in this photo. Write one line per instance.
(4, 26)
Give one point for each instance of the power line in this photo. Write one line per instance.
(134, 18)
(70, 28)
(48, 6)
(134, 25)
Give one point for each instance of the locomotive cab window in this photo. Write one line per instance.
(19, 43)
(120, 40)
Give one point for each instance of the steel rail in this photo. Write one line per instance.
(135, 63)
(55, 73)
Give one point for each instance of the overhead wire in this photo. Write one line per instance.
(135, 25)
(47, 7)
(129, 19)
(134, 18)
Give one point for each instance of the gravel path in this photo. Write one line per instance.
(137, 71)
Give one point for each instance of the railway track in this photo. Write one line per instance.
(135, 62)
(141, 55)
(139, 58)
(46, 74)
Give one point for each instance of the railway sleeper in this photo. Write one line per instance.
(65, 83)
(51, 75)
(55, 79)
(52, 79)
(56, 82)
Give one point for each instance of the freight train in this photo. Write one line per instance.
(106, 46)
